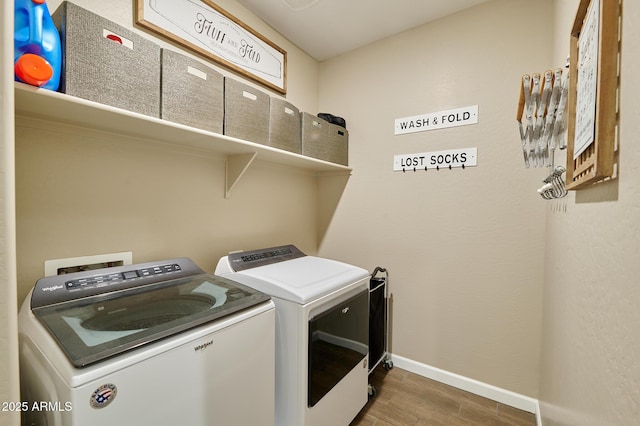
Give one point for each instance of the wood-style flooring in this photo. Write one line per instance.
(405, 398)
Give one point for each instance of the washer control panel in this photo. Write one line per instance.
(63, 288)
(117, 277)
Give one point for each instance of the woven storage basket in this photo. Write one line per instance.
(323, 140)
(284, 126)
(192, 93)
(106, 63)
(246, 112)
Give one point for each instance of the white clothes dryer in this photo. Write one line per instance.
(322, 323)
(159, 343)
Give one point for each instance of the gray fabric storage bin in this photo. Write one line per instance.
(246, 112)
(339, 143)
(284, 126)
(323, 140)
(315, 135)
(192, 93)
(107, 63)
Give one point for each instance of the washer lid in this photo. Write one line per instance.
(93, 328)
(302, 279)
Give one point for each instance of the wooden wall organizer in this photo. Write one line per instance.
(596, 159)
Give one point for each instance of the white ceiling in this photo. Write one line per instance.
(328, 28)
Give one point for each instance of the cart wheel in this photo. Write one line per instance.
(371, 391)
(388, 364)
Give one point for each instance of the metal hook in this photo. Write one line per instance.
(546, 191)
(554, 185)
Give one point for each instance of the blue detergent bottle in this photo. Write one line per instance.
(37, 53)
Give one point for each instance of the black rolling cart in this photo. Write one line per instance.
(378, 322)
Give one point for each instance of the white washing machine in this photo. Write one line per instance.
(158, 343)
(322, 323)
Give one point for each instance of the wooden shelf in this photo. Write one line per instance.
(59, 107)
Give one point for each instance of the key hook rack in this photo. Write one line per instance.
(438, 168)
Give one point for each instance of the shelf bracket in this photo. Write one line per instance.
(235, 166)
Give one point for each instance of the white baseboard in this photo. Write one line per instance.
(538, 414)
(495, 393)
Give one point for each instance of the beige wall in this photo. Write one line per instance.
(465, 248)
(591, 347)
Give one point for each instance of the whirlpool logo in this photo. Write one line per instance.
(203, 346)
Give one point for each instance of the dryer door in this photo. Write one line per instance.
(338, 341)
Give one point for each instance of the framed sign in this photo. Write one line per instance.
(206, 29)
(593, 84)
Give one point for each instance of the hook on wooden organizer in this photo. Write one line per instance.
(553, 185)
(540, 115)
